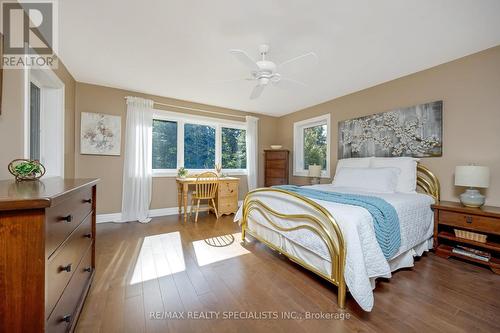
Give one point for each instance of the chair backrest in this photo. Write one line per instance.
(206, 184)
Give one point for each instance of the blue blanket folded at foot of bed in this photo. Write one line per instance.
(385, 217)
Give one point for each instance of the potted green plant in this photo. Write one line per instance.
(182, 172)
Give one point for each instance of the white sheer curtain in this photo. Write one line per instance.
(137, 170)
(252, 151)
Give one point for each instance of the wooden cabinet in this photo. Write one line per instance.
(276, 167)
(451, 216)
(47, 233)
(227, 196)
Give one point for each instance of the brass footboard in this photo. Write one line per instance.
(318, 220)
(313, 217)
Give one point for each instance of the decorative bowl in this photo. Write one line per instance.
(276, 147)
(24, 169)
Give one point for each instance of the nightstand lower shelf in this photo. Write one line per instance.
(446, 251)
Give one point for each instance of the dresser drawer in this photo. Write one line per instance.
(228, 188)
(62, 265)
(276, 164)
(65, 217)
(228, 205)
(64, 313)
(468, 221)
(275, 181)
(276, 155)
(275, 173)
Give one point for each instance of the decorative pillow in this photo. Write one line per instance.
(407, 179)
(356, 162)
(380, 180)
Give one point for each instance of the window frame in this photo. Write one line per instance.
(298, 144)
(181, 119)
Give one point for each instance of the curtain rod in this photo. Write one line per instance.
(198, 110)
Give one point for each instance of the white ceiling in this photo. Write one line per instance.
(179, 48)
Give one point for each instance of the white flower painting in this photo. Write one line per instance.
(414, 131)
(100, 134)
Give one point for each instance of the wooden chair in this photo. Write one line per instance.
(205, 189)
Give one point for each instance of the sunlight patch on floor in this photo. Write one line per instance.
(160, 255)
(206, 254)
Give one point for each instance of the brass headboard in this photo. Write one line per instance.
(428, 182)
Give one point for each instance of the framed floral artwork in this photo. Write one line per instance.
(415, 131)
(100, 134)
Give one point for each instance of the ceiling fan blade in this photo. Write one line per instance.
(233, 80)
(308, 57)
(286, 83)
(245, 59)
(257, 91)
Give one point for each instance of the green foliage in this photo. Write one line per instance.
(199, 146)
(164, 144)
(27, 168)
(234, 150)
(182, 172)
(315, 146)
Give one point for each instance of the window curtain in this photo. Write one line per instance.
(137, 170)
(252, 151)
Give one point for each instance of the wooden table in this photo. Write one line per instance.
(183, 189)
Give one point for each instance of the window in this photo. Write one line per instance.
(199, 146)
(164, 144)
(312, 145)
(197, 143)
(34, 122)
(234, 150)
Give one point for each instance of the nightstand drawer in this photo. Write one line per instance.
(468, 221)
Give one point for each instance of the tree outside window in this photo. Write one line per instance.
(315, 146)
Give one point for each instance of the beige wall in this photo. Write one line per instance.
(12, 119)
(94, 98)
(470, 89)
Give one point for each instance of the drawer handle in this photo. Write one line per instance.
(66, 268)
(66, 318)
(89, 235)
(468, 219)
(88, 269)
(68, 218)
(87, 200)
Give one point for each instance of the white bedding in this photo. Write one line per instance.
(365, 260)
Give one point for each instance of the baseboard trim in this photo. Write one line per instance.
(114, 217)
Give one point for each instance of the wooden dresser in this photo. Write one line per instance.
(449, 216)
(47, 252)
(276, 167)
(227, 196)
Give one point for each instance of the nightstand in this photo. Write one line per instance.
(485, 221)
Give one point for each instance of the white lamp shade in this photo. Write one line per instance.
(315, 171)
(472, 175)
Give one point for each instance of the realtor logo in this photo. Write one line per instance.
(30, 34)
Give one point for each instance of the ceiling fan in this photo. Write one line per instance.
(265, 71)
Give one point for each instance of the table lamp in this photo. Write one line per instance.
(472, 176)
(314, 173)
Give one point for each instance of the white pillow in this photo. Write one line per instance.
(355, 162)
(407, 179)
(380, 180)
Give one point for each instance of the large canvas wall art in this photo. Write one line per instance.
(415, 131)
(100, 134)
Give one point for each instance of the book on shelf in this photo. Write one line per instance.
(472, 253)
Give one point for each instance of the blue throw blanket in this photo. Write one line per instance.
(385, 217)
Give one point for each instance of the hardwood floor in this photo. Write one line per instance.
(166, 266)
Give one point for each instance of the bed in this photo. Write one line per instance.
(337, 241)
